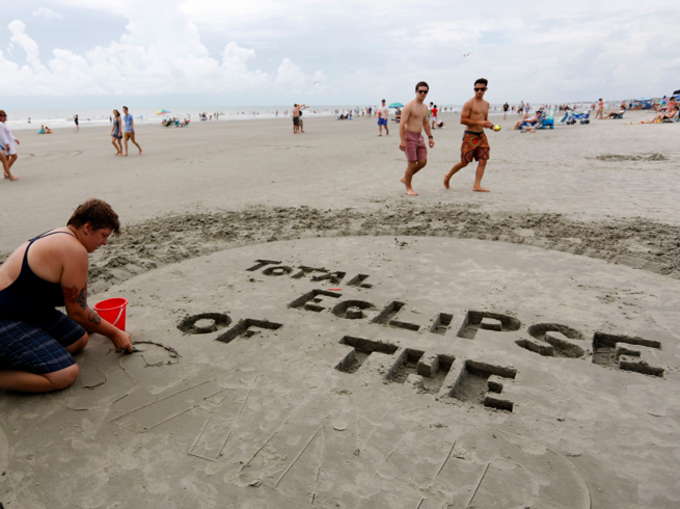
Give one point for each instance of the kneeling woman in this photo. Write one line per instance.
(37, 342)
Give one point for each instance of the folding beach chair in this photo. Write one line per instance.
(548, 120)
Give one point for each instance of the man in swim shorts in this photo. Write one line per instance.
(129, 133)
(296, 117)
(413, 120)
(383, 117)
(37, 341)
(475, 117)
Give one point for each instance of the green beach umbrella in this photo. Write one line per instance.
(396, 105)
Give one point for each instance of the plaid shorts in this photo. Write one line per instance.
(38, 348)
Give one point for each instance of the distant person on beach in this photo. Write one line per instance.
(129, 131)
(302, 125)
(116, 135)
(600, 109)
(669, 114)
(9, 152)
(297, 108)
(75, 119)
(434, 116)
(475, 116)
(37, 342)
(296, 118)
(617, 114)
(506, 107)
(528, 119)
(5, 164)
(413, 120)
(383, 118)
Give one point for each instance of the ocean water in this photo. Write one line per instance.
(57, 119)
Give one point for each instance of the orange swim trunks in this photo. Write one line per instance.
(475, 146)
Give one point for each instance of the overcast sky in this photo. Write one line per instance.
(266, 52)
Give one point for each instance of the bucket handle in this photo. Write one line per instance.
(120, 313)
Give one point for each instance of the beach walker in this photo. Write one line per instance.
(113, 311)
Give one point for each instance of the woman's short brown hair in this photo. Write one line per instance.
(96, 212)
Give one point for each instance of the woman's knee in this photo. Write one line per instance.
(64, 377)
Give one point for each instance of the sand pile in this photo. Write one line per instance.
(639, 243)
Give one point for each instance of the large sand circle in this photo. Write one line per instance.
(366, 372)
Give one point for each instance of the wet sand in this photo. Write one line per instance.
(437, 382)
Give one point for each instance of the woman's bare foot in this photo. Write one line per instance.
(480, 189)
(411, 192)
(12, 178)
(447, 179)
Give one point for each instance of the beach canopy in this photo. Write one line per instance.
(162, 112)
(396, 105)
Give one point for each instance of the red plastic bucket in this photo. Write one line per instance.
(113, 311)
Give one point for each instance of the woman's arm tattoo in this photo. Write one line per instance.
(93, 317)
(75, 296)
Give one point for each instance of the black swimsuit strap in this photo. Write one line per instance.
(42, 236)
(51, 232)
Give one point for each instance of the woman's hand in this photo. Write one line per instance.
(121, 340)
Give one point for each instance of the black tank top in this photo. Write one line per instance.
(29, 298)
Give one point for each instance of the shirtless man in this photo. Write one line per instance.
(296, 117)
(413, 120)
(475, 116)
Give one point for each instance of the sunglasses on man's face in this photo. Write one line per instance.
(480, 89)
(423, 91)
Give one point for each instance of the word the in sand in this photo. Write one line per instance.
(614, 351)
(550, 340)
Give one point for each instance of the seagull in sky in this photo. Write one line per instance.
(468, 54)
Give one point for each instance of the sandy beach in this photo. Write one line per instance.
(518, 348)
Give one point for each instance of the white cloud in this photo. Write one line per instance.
(160, 52)
(47, 13)
(358, 49)
(19, 37)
